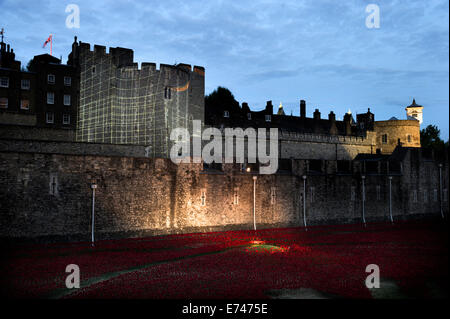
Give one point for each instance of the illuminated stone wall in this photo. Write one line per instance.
(122, 104)
(48, 194)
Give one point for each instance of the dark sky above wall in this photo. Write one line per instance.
(283, 51)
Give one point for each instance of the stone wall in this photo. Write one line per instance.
(395, 131)
(49, 194)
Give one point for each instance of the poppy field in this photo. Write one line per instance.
(322, 262)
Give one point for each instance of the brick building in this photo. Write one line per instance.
(44, 96)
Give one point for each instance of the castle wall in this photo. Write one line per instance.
(48, 194)
(397, 130)
(327, 147)
(121, 104)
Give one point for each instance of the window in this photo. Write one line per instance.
(50, 98)
(4, 82)
(353, 193)
(268, 118)
(93, 70)
(66, 99)
(445, 196)
(236, 196)
(203, 198)
(3, 102)
(425, 196)
(167, 93)
(24, 104)
(384, 138)
(67, 81)
(51, 78)
(249, 116)
(408, 138)
(53, 184)
(25, 84)
(414, 196)
(49, 117)
(66, 118)
(378, 192)
(226, 114)
(312, 191)
(435, 195)
(273, 195)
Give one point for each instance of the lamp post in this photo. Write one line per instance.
(440, 190)
(390, 199)
(304, 201)
(93, 187)
(363, 177)
(254, 202)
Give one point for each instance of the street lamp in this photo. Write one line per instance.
(304, 201)
(440, 190)
(390, 199)
(93, 187)
(363, 177)
(254, 202)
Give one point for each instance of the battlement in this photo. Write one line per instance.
(123, 58)
(324, 138)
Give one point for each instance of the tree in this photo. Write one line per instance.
(217, 102)
(430, 140)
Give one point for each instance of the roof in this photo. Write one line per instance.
(414, 104)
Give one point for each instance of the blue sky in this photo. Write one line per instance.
(284, 51)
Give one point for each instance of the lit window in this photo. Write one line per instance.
(51, 78)
(4, 82)
(25, 84)
(50, 98)
(67, 81)
(49, 117)
(226, 114)
(66, 99)
(66, 119)
(3, 102)
(384, 138)
(24, 104)
(268, 118)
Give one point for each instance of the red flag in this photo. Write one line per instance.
(47, 41)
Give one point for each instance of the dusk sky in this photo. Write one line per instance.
(320, 50)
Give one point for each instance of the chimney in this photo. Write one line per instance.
(269, 107)
(332, 117)
(317, 114)
(302, 108)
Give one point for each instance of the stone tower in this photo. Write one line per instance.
(414, 111)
